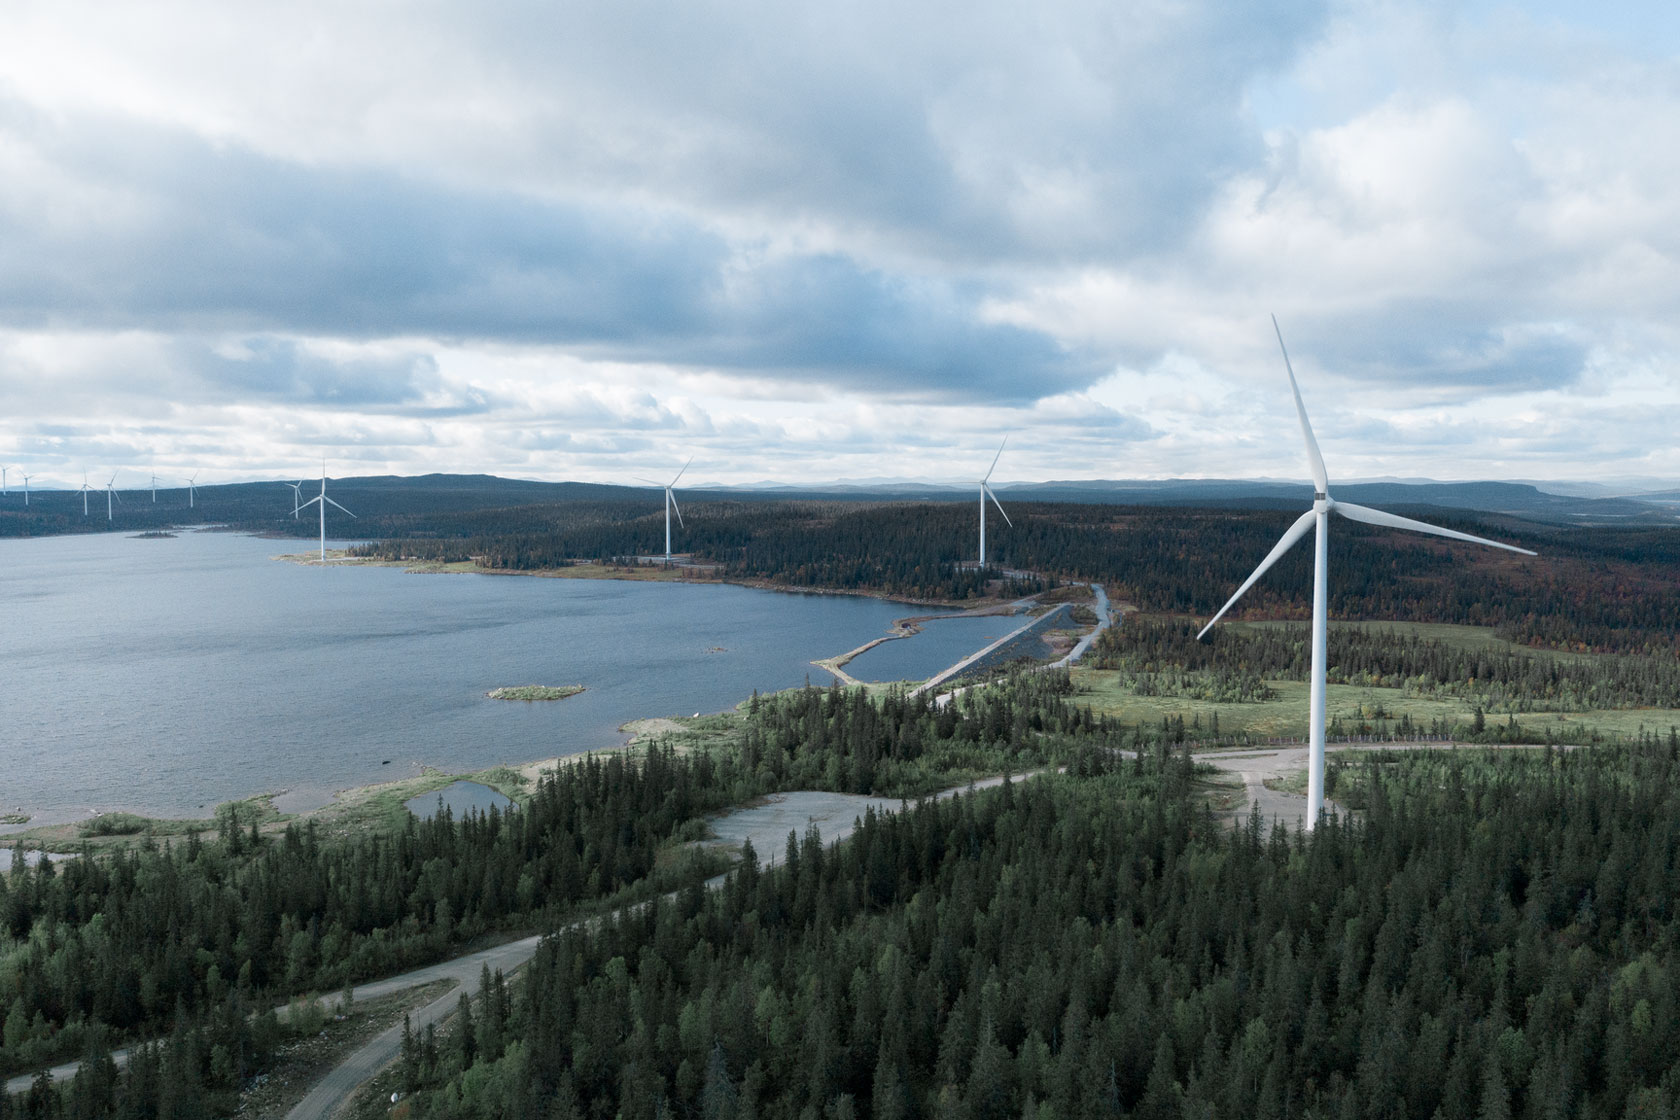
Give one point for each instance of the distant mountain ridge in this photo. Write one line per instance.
(1519, 499)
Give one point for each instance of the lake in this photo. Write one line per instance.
(165, 676)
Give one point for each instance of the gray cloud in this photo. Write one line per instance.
(222, 239)
(1454, 345)
(280, 369)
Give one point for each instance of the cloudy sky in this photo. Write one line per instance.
(813, 242)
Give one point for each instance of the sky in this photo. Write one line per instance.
(807, 243)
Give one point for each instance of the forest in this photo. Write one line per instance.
(1494, 936)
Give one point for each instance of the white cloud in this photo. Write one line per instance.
(832, 242)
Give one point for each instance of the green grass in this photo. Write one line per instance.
(1285, 716)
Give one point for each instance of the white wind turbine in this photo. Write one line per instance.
(192, 490)
(297, 496)
(670, 504)
(986, 492)
(84, 493)
(1318, 519)
(26, 479)
(322, 500)
(154, 488)
(111, 492)
(5, 489)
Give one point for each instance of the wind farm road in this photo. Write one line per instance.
(336, 1087)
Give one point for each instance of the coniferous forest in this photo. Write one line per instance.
(1495, 936)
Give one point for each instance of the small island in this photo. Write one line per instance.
(535, 692)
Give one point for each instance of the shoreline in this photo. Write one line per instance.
(678, 573)
(352, 807)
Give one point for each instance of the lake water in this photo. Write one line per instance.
(460, 798)
(165, 676)
(941, 644)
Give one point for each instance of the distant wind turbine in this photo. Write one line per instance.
(154, 488)
(84, 493)
(4, 488)
(111, 492)
(1318, 519)
(297, 496)
(322, 500)
(26, 479)
(670, 504)
(192, 491)
(986, 492)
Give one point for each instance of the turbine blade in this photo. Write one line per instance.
(1284, 544)
(999, 506)
(995, 459)
(341, 507)
(1314, 459)
(1390, 521)
(683, 471)
(309, 503)
(669, 493)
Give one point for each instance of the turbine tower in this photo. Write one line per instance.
(192, 491)
(26, 479)
(110, 492)
(670, 504)
(322, 500)
(154, 488)
(986, 492)
(5, 489)
(1318, 519)
(297, 496)
(84, 493)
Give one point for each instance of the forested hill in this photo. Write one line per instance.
(1600, 587)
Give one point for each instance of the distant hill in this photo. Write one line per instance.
(265, 505)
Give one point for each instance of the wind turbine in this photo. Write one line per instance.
(670, 504)
(4, 488)
(986, 492)
(322, 500)
(154, 488)
(1318, 519)
(110, 492)
(84, 493)
(26, 479)
(192, 492)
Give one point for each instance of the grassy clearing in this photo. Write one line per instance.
(1285, 716)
